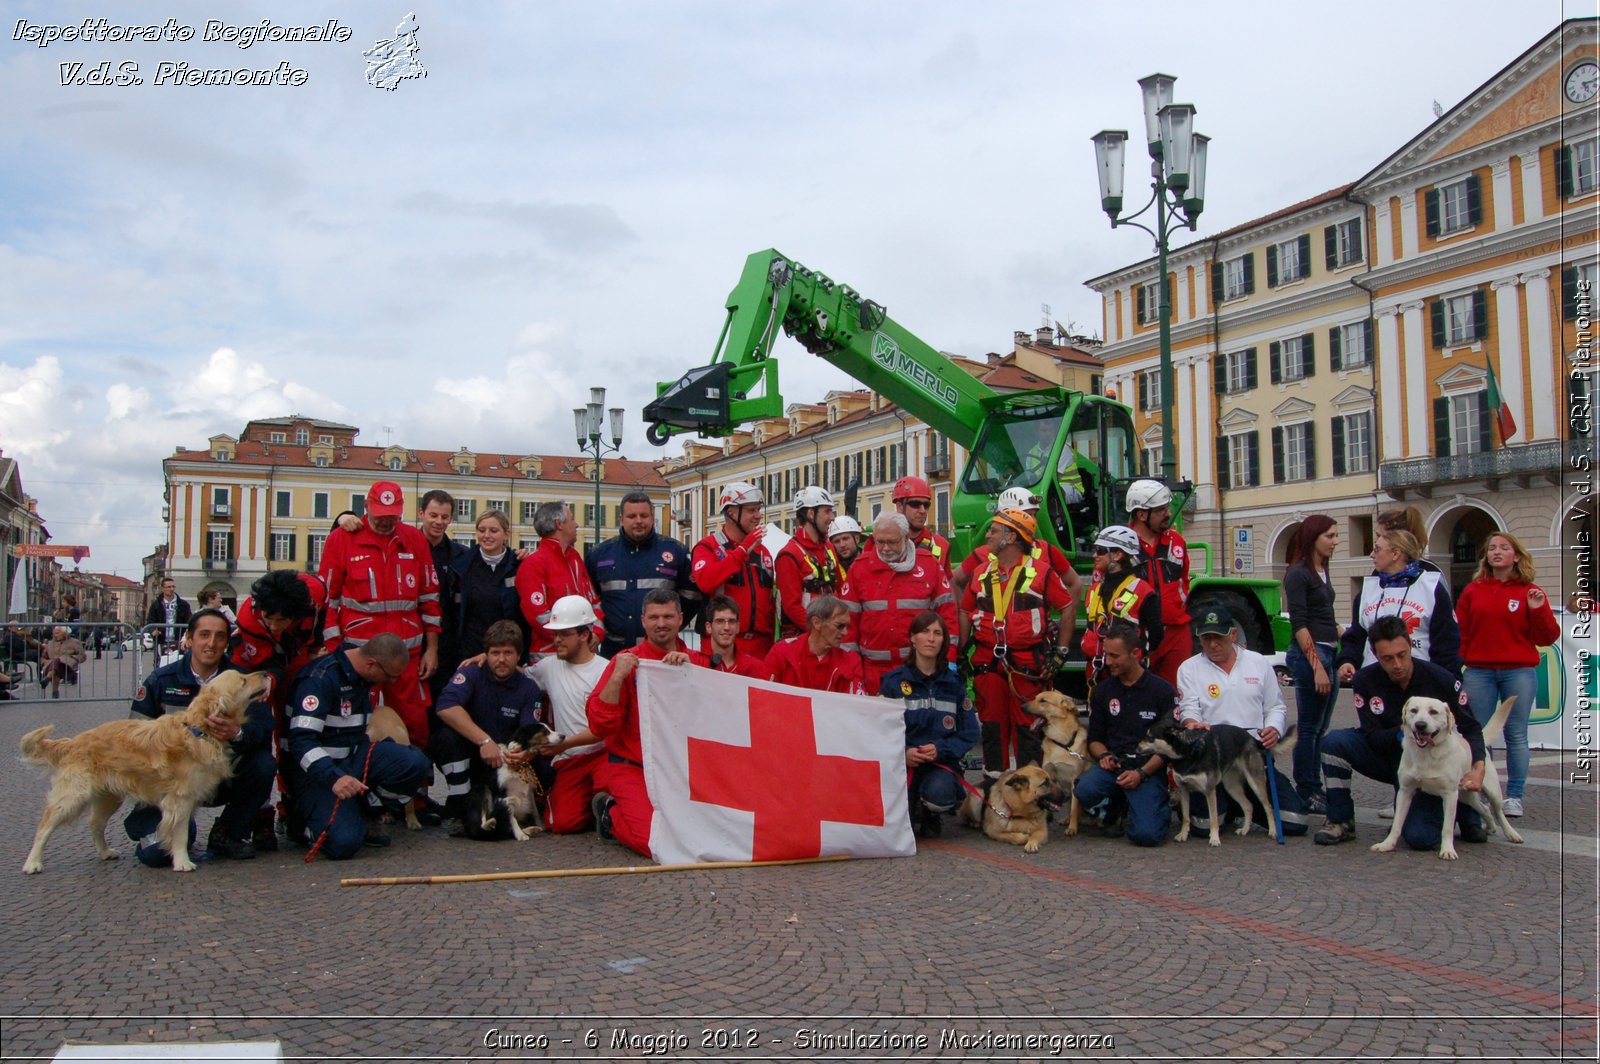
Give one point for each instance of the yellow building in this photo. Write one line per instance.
(267, 499)
(1334, 356)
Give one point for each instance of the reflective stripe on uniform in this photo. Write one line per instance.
(887, 655)
(875, 604)
(312, 756)
(913, 604)
(382, 605)
(314, 723)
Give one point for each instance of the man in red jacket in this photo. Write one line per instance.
(381, 579)
(622, 808)
(732, 561)
(806, 567)
(1163, 563)
(885, 591)
(818, 660)
(552, 572)
(913, 500)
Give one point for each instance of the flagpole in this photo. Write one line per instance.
(562, 873)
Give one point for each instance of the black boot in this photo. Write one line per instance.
(994, 757)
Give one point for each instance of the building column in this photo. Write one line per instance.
(1408, 226)
(1205, 463)
(1184, 376)
(1388, 381)
(1542, 356)
(1382, 234)
(1532, 188)
(1508, 317)
(1416, 380)
(1502, 195)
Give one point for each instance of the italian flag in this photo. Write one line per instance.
(1501, 409)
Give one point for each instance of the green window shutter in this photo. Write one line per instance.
(1255, 458)
(1357, 253)
(1474, 200)
(1250, 368)
(1277, 454)
(1305, 254)
(232, 554)
(1308, 354)
(1138, 304)
(1431, 202)
(1569, 292)
(1333, 348)
(1311, 451)
(1337, 428)
(1216, 283)
(1272, 265)
(1330, 246)
(1480, 314)
(1275, 361)
(1436, 316)
(1366, 339)
(293, 539)
(1563, 165)
(1144, 391)
(1441, 427)
(1223, 448)
(1249, 272)
(1219, 374)
(1485, 423)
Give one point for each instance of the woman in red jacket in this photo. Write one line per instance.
(1505, 618)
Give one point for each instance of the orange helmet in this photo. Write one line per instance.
(1020, 522)
(911, 488)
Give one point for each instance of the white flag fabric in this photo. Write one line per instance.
(743, 770)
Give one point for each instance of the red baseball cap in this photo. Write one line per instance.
(384, 499)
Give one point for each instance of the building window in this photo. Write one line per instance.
(1575, 167)
(1293, 453)
(1233, 278)
(281, 504)
(396, 465)
(221, 456)
(219, 502)
(1352, 444)
(1461, 424)
(358, 504)
(1238, 371)
(325, 439)
(278, 437)
(221, 547)
(527, 512)
(499, 504)
(1150, 389)
(1342, 243)
(302, 436)
(1288, 261)
(1458, 320)
(941, 508)
(1150, 461)
(1577, 290)
(282, 546)
(466, 509)
(314, 544)
(1147, 303)
(319, 505)
(1454, 207)
(322, 461)
(528, 543)
(1239, 460)
(1350, 345)
(1291, 358)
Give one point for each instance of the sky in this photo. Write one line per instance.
(567, 197)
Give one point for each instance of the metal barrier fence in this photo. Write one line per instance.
(97, 661)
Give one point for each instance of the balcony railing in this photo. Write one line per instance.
(224, 564)
(1524, 460)
(937, 464)
(221, 509)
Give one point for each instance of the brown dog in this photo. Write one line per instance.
(171, 762)
(385, 723)
(1016, 807)
(1065, 743)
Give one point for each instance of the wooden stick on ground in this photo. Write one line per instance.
(561, 873)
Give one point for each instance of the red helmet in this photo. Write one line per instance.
(911, 488)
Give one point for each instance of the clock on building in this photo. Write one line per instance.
(1582, 82)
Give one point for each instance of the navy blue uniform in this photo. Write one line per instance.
(1373, 749)
(498, 707)
(623, 570)
(1119, 716)
(938, 711)
(170, 689)
(328, 710)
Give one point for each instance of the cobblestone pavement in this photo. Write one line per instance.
(972, 949)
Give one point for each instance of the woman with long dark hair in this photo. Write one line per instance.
(1308, 590)
(940, 723)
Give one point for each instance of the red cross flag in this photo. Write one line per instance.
(742, 770)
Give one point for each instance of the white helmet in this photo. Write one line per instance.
(1148, 495)
(1119, 537)
(570, 611)
(1017, 499)
(844, 524)
(739, 493)
(812, 496)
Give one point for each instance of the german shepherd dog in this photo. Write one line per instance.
(510, 804)
(1065, 745)
(1201, 759)
(1016, 807)
(170, 762)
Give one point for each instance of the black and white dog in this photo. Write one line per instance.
(510, 803)
(1201, 759)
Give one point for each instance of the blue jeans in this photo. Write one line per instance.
(937, 789)
(1486, 689)
(1315, 714)
(1149, 815)
(1347, 751)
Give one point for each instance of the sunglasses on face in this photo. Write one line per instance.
(917, 504)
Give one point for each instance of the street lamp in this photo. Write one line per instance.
(1178, 192)
(586, 422)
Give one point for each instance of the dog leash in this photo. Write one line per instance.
(315, 846)
(959, 778)
(1272, 789)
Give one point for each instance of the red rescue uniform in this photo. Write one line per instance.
(934, 544)
(1164, 565)
(804, 570)
(382, 584)
(744, 663)
(882, 605)
(837, 669)
(721, 567)
(546, 576)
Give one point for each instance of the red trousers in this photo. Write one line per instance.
(999, 704)
(630, 816)
(1176, 647)
(409, 697)
(572, 792)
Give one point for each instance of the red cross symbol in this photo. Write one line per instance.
(782, 779)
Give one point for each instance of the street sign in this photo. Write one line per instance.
(49, 550)
(1244, 556)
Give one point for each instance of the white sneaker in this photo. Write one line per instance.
(1512, 807)
(1386, 814)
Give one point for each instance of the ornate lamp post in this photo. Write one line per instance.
(1178, 190)
(586, 421)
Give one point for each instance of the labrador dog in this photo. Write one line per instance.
(1433, 758)
(1202, 759)
(385, 723)
(1065, 745)
(1016, 807)
(170, 762)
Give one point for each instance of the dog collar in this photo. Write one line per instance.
(1064, 746)
(198, 733)
(999, 810)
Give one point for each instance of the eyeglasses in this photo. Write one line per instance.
(1102, 550)
(917, 504)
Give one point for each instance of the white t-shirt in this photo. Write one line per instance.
(569, 687)
(1248, 696)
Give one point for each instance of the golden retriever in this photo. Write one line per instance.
(1065, 742)
(171, 762)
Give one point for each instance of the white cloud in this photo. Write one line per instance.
(33, 411)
